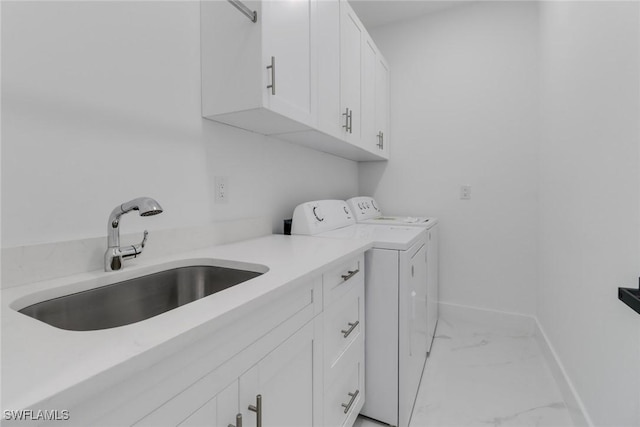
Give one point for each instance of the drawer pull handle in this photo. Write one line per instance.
(347, 406)
(258, 410)
(350, 274)
(352, 326)
(238, 421)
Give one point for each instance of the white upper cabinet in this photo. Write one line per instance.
(352, 35)
(330, 119)
(381, 125)
(364, 86)
(258, 76)
(305, 72)
(287, 57)
(368, 98)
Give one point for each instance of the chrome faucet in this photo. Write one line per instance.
(114, 255)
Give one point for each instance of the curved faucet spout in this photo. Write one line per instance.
(114, 255)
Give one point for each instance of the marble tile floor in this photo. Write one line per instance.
(485, 376)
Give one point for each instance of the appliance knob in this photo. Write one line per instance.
(316, 214)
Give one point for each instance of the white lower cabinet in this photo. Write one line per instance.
(276, 391)
(218, 411)
(306, 370)
(344, 390)
(343, 360)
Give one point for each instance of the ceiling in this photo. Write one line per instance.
(373, 13)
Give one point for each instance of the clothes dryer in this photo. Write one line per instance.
(367, 211)
(395, 283)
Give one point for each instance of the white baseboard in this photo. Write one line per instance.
(501, 320)
(524, 324)
(576, 408)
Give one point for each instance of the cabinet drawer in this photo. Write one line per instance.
(344, 323)
(337, 282)
(344, 395)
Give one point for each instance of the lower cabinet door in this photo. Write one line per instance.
(279, 390)
(221, 411)
(344, 387)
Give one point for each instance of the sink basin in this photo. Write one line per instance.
(136, 299)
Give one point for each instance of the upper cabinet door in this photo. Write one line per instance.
(382, 105)
(352, 34)
(241, 58)
(330, 119)
(369, 137)
(287, 58)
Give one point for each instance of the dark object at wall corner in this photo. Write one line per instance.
(631, 297)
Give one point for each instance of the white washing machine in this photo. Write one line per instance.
(367, 211)
(395, 283)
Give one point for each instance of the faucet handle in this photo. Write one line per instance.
(134, 250)
(144, 239)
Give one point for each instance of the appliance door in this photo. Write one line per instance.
(432, 284)
(413, 340)
(381, 335)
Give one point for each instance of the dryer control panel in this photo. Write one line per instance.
(321, 215)
(364, 207)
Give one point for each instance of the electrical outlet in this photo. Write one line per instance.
(222, 189)
(465, 192)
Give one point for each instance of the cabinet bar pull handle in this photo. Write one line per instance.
(380, 140)
(352, 326)
(258, 410)
(351, 121)
(346, 120)
(238, 421)
(350, 274)
(347, 406)
(272, 67)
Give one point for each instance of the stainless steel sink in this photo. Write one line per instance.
(136, 299)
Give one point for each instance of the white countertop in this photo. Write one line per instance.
(393, 237)
(40, 361)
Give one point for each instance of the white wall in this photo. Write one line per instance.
(101, 103)
(589, 196)
(464, 111)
